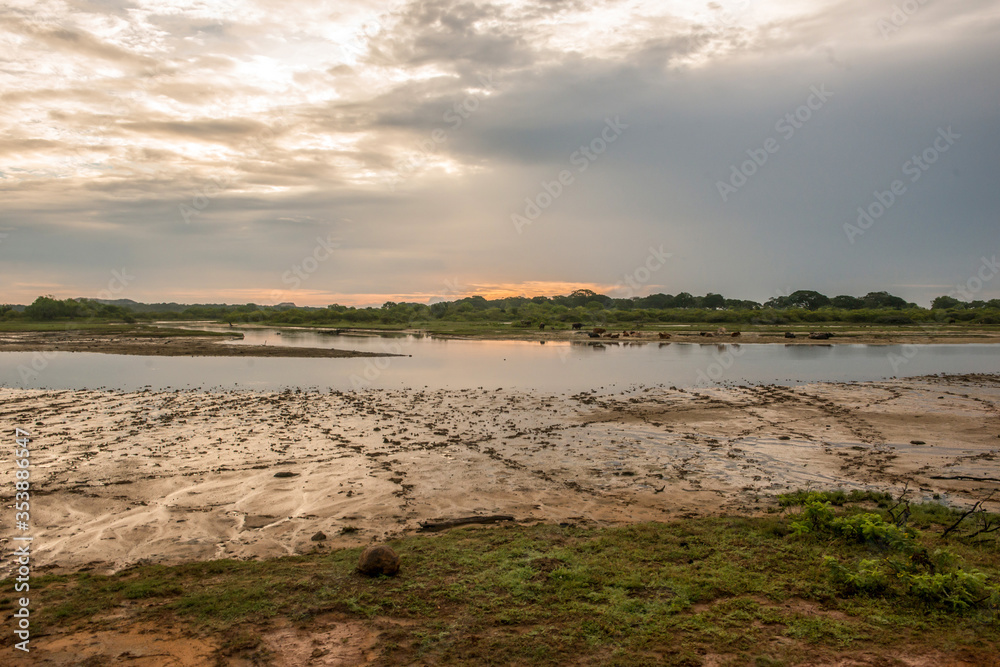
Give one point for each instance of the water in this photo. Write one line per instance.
(459, 364)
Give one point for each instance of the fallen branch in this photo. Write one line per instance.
(444, 524)
(975, 508)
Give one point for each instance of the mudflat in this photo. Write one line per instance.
(145, 344)
(120, 478)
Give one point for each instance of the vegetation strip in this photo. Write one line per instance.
(751, 590)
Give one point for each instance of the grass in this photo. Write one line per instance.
(106, 327)
(513, 330)
(650, 593)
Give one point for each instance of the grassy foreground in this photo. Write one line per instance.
(745, 591)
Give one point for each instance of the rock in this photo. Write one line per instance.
(318, 537)
(789, 334)
(378, 559)
(285, 473)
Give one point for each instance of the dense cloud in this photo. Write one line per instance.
(527, 147)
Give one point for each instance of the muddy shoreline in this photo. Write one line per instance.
(158, 346)
(173, 476)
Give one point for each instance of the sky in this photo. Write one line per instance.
(357, 152)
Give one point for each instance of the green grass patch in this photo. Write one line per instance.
(651, 593)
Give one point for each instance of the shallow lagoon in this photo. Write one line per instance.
(456, 364)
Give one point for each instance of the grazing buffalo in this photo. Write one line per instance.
(599, 330)
(541, 327)
(577, 325)
(664, 336)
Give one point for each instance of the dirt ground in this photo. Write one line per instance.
(172, 476)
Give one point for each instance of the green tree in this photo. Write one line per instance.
(946, 302)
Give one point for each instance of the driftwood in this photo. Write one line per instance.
(444, 524)
(967, 478)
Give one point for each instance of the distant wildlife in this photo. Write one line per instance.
(577, 325)
(599, 330)
(613, 335)
(735, 334)
(706, 334)
(822, 335)
(664, 336)
(591, 334)
(541, 327)
(789, 334)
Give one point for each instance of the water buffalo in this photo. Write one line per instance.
(735, 334)
(599, 330)
(541, 327)
(664, 336)
(577, 325)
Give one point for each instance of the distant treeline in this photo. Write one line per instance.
(581, 306)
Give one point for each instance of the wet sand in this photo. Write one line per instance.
(171, 476)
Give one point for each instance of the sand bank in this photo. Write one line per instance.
(170, 476)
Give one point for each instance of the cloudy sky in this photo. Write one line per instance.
(356, 152)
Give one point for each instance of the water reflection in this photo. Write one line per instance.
(451, 363)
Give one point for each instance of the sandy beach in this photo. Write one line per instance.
(171, 476)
